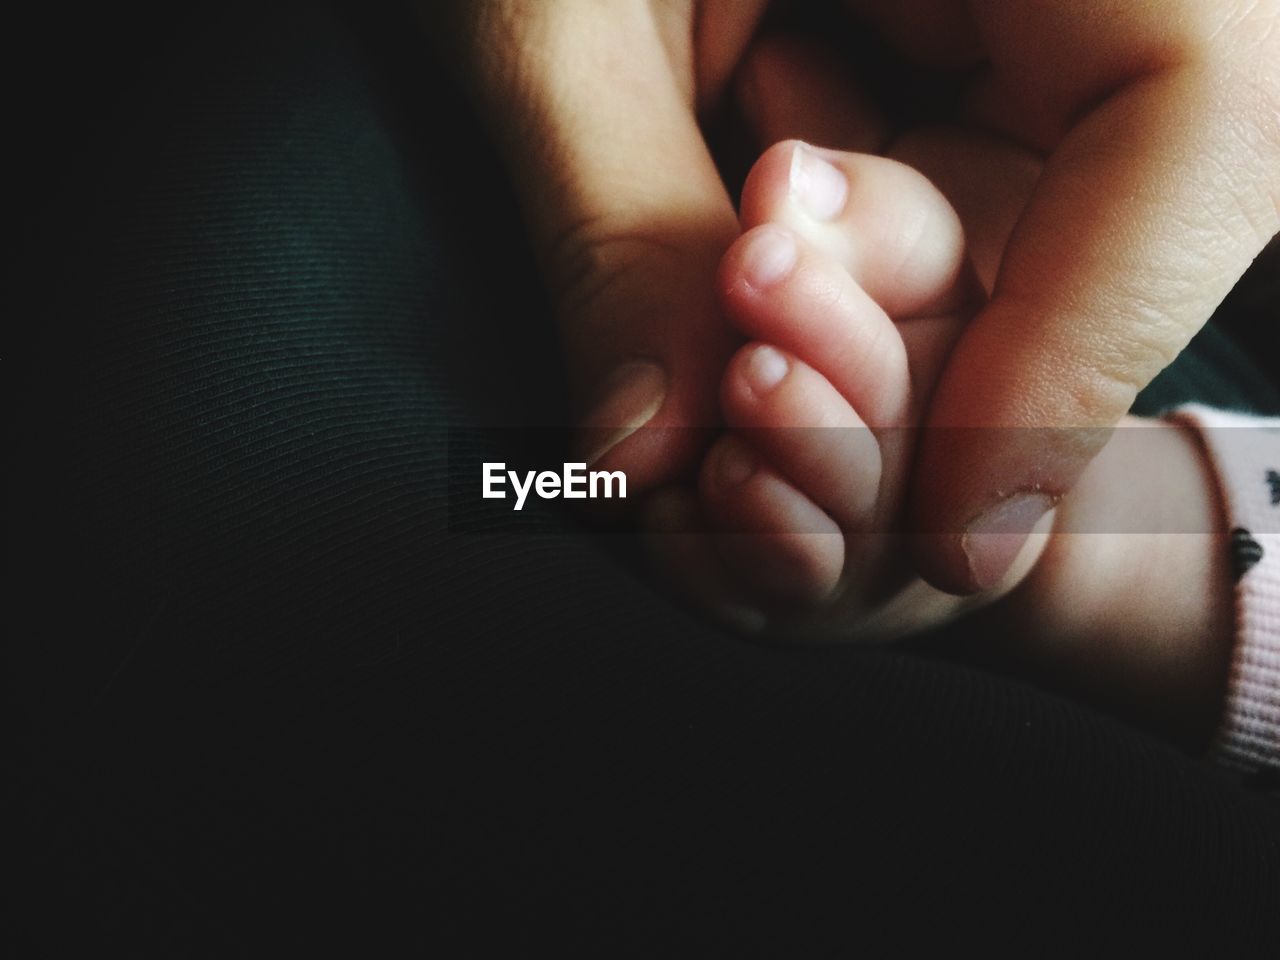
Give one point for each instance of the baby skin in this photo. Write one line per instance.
(851, 283)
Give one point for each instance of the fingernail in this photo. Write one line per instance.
(630, 398)
(765, 369)
(770, 255)
(992, 541)
(818, 187)
(736, 463)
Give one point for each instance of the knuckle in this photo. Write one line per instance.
(1098, 396)
(592, 259)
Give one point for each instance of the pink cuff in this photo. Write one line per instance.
(1245, 453)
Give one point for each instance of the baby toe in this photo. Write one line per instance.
(781, 290)
(883, 221)
(773, 538)
(806, 430)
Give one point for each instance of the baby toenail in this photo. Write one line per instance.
(770, 255)
(736, 464)
(818, 187)
(765, 369)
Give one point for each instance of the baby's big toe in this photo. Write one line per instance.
(883, 221)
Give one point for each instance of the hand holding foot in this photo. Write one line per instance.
(1133, 151)
(852, 285)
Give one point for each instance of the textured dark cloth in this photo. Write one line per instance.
(261, 697)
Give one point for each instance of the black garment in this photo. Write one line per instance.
(264, 697)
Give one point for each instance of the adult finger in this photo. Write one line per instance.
(1151, 206)
(593, 108)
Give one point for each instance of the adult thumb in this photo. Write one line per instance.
(1147, 213)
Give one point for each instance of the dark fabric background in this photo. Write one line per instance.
(260, 698)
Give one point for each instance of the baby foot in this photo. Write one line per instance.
(851, 283)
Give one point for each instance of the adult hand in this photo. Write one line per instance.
(1158, 126)
(595, 107)
(1129, 156)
